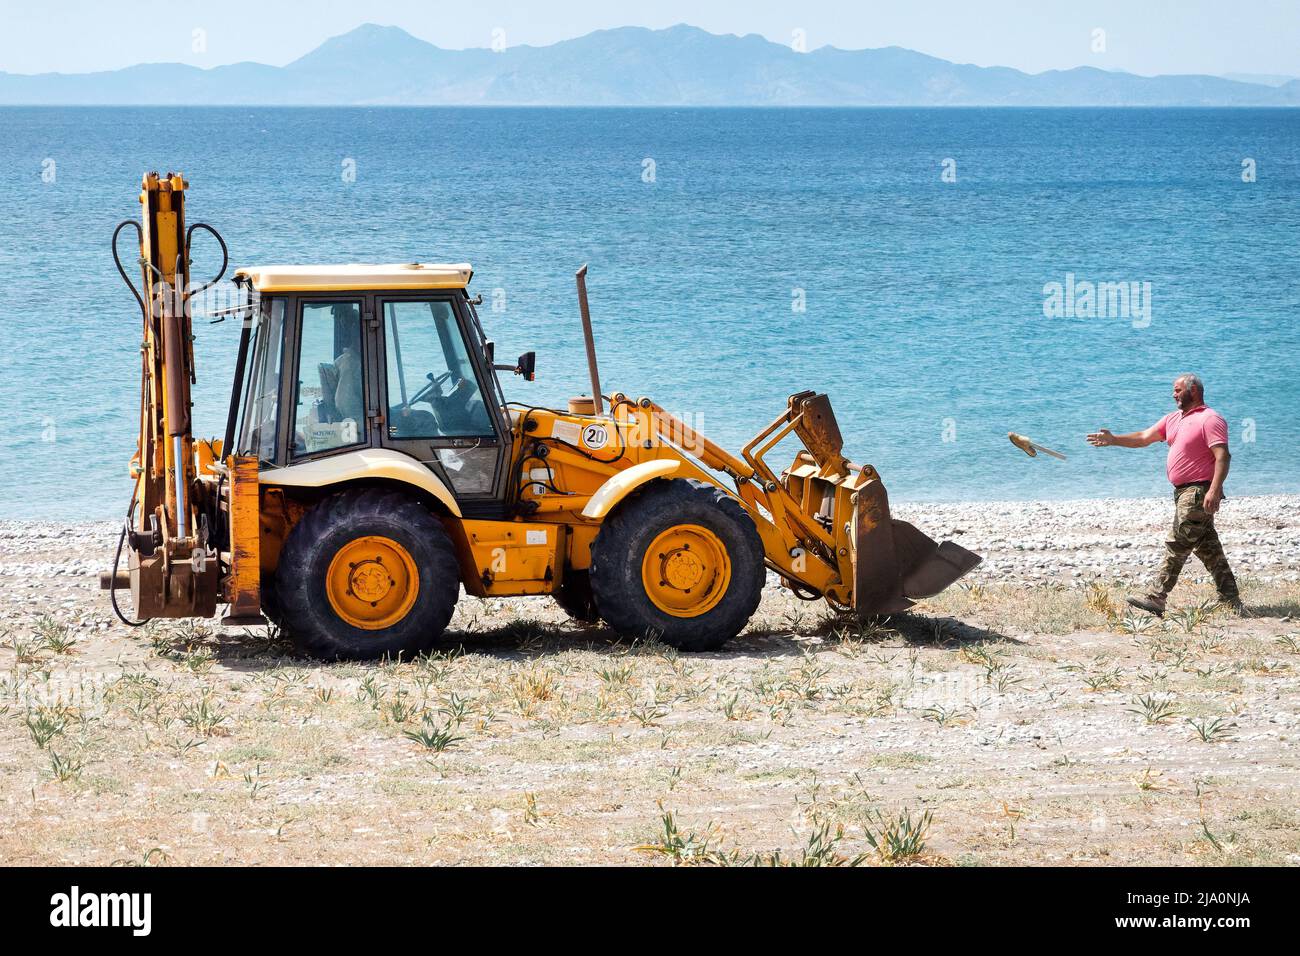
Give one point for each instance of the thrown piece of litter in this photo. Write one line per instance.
(1031, 447)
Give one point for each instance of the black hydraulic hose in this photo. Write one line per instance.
(583, 452)
(117, 260)
(804, 595)
(225, 253)
(117, 560)
(126, 525)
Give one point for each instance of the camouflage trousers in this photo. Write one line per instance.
(1193, 533)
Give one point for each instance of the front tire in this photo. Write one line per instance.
(365, 574)
(680, 560)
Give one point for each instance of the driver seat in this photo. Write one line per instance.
(348, 398)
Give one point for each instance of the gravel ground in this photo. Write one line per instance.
(1031, 541)
(1025, 717)
(1112, 537)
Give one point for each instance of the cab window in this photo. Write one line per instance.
(433, 391)
(330, 408)
(257, 435)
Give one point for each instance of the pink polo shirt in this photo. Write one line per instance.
(1191, 435)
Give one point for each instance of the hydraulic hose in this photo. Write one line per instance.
(225, 253)
(117, 260)
(117, 560)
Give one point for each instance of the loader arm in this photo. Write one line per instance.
(825, 522)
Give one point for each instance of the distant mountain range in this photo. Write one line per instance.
(629, 66)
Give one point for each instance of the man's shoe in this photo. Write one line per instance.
(1149, 603)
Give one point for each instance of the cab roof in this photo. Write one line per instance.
(347, 278)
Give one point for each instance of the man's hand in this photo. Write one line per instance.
(1213, 498)
(1102, 438)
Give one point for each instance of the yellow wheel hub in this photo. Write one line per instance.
(372, 583)
(686, 570)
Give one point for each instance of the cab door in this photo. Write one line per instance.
(437, 400)
(329, 376)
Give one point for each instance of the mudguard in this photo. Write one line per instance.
(618, 487)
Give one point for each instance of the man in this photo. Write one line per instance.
(1197, 467)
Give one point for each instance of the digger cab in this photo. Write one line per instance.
(343, 359)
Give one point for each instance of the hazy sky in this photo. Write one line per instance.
(1142, 36)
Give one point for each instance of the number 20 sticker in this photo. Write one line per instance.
(595, 437)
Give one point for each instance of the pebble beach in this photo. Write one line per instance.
(1112, 539)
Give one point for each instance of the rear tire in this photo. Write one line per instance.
(681, 561)
(362, 544)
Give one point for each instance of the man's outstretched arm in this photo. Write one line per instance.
(1102, 438)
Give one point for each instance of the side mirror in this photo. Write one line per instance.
(527, 366)
(490, 351)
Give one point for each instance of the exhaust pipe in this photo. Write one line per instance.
(597, 401)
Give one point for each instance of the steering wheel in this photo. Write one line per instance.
(434, 387)
(447, 410)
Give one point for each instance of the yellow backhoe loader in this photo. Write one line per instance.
(371, 467)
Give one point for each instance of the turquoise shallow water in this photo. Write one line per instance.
(924, 299)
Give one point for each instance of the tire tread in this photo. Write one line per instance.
(304, 612)
(616, 565)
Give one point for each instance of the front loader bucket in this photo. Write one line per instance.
(894, 563)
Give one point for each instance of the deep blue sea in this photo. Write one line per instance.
(923, 298)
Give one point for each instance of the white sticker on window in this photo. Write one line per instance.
(595, 436)
(535, 537)
(451, 459)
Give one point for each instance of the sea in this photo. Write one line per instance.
(946, 276)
